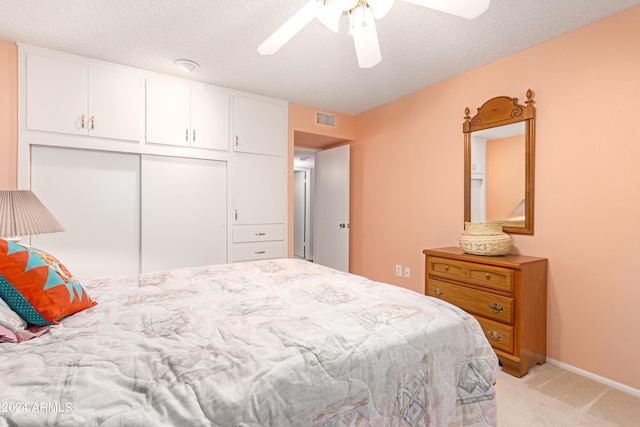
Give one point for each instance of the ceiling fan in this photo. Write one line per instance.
(362, 22)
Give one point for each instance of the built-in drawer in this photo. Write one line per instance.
(258, 233)
(485, 304)
(499, 335)
(258, 250)
(479, 274)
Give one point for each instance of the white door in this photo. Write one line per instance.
(331, 235)
(184, 212)
(95, 195)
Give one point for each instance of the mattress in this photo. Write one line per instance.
(267, 343)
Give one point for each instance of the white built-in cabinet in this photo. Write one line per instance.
(71, 97)
(259, 175)
(180, 112)
(150, 172)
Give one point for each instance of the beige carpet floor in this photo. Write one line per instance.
(549, 396)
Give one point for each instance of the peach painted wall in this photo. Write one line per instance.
(407, 185)
(8, 115)
(303, 119)
(505, 176)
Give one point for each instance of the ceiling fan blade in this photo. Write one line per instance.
(362, 27)
(290, 28)
(367, 47)
(469, 9)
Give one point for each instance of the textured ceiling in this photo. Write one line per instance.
(318, 68)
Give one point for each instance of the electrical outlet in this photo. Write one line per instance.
(398, 270)
(407, 272)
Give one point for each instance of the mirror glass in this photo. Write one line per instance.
(499, 149)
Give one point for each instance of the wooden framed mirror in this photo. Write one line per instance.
(499, 155)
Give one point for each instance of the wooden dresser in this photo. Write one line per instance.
(506, 294)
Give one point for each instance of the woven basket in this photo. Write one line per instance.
(484, 239)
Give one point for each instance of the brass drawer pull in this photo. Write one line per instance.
(437, 292)
(495, 307)
(487, 276)
(495, 335)
(446, 268)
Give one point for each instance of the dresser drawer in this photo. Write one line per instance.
(499, 335)
(258, 250)
(258, 233)
(479, 274)
(485, 304)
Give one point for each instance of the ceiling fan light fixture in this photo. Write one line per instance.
(186, 65)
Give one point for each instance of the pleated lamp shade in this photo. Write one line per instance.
(23, 214)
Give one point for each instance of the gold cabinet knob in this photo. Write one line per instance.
(487, 276)
(437, 292)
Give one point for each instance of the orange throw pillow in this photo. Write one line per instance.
(37, 286)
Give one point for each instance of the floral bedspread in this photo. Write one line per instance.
(268, 343)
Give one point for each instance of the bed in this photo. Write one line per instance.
(268, 343)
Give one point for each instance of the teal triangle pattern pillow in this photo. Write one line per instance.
(37, 286)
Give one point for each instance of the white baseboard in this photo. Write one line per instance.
(625, 388)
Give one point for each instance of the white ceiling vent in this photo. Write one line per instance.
(325, 119)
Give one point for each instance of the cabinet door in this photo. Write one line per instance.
(167, 107)
(210, 118)
(184, 212)
(56, 95)
(116, 103)
(259, 126)
(259, 189)
(96, 197)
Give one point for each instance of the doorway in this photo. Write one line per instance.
(303, 168)
(311, 241)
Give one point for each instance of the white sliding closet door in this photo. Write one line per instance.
(95, 195)
(184, 205)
